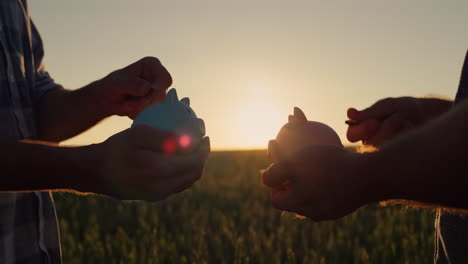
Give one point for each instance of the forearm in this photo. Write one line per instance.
(30, 166)
(426, 165)
(64, 113)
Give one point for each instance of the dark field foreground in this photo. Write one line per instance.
(227, 218)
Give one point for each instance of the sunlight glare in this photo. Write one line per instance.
(258, 121)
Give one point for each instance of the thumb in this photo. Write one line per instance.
(151, 70)
(149, 138)
(276, 175)
(362, 131)
(389, 129)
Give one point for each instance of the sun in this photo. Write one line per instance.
(257, 122)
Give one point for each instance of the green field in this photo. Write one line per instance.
(227, 218)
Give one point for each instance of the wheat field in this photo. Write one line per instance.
(227, 218)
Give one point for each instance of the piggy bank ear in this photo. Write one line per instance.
(171, 97)
(299, 115)
(185, 101)
(274, 154)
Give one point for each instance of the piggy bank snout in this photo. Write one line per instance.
(201, 124)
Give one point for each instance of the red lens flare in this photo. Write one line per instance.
(185, 141)
(169, 146)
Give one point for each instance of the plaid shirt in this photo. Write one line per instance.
(28, 225)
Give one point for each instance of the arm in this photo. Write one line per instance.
(391, 117)
(129, 165)
(427, 165)
(125, 92)
(64, 113)
(35, 165)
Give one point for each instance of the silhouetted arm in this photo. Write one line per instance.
(428, 164)
(64, 114)
(129, 165)
(34, 165)
(125, 92)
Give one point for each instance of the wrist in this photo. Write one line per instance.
(89, 162)
(371, 179)
(386, 176)
(92, 97)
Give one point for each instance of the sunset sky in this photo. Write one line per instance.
(246, 63)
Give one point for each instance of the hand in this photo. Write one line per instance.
(386, 119)
(127, 91)
(136, 168)
(323, 183)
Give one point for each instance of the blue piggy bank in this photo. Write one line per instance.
(174, 116)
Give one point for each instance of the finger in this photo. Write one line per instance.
(354, 114)
(174, 166)
(135, 105)
(379, 110)
(176, 183)
(284, 200)
(363, 130)
(180, 164)
(303, 211)
(151, 70)
(184, 187)
(310, 212)
(149, 138)
(185, 181)
(389, 128)
(155, 96)
(157, 74)
(136, 87)
(276, 175)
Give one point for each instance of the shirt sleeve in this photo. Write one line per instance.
(464, 74)
(42, 80)
(462, 92)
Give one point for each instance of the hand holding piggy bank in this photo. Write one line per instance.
(174, 116)
(313, 175)
(298, 134)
